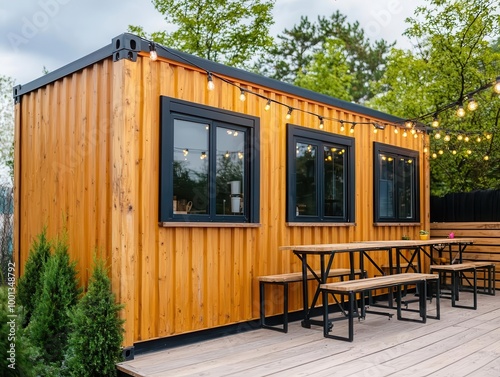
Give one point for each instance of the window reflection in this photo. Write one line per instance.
(306, 178)
(334, 187)
(230, 171)
(191, 166)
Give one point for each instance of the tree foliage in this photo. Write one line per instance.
(6, 130)
(456, 53)
(29, 285)
(225, 31)
(304, 49)
(94, 345)
(50, 323)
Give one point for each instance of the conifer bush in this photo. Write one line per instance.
(50, 323)
(29, 285)
(15, 347)
(94, 345)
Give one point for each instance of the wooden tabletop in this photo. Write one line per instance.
(374, 245)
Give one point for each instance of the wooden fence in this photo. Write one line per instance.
(486, 237)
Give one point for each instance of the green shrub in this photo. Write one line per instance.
(15, 358)
(94, 345)
(29, 285)
(50, 323)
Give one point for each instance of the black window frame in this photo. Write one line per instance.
(171, 109)
(296, 134)
(396, 152)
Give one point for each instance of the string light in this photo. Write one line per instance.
(496, 87)
(153, 55)
(411, 124)
(210, 82)
(435, 121)
(472, 104)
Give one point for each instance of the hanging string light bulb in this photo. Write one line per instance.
(153, 55)
(242, 95)
(472, 104)
(352, 128)
(289, 113)
(460, 111)
(496, 86)
(435, 121)
(321, 122)
(268, 105)
(342, 128)
(210, 82)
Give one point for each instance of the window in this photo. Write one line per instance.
(320, 176)
(396, 184)
(209, 164)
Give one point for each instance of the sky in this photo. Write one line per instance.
(52, 33)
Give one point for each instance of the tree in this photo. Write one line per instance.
(6, 130)
(456, 53)
(225, 31)
(29, 286)
(50, 323)
(291, 58)
(328, 72)
(94, 345)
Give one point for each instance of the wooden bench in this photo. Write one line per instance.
(285, 280)
(352, 287)
(488, 269)
(457, 271)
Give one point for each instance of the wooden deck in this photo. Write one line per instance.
(463, 343)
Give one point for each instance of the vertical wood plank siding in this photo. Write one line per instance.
(88, 153)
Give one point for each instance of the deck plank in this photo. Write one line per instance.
(463, 343)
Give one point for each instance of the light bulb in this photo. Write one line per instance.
(242, 95)
(289, 113)
(435, 122)
(437, 135)
(472, 104)
(396, 130)
(496, 87)
(447, 138)
(460, 111)
(321, 123)
(268, 105)
(210, 83)
(153, 55)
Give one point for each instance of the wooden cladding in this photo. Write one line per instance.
(87, 159)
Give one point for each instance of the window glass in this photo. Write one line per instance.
(209, 164)
(396, 186)
(334, 183)
(190, 167)
(320, 181)
(230, 176)
(306, 178)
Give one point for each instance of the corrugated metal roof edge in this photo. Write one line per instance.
(131, 44)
